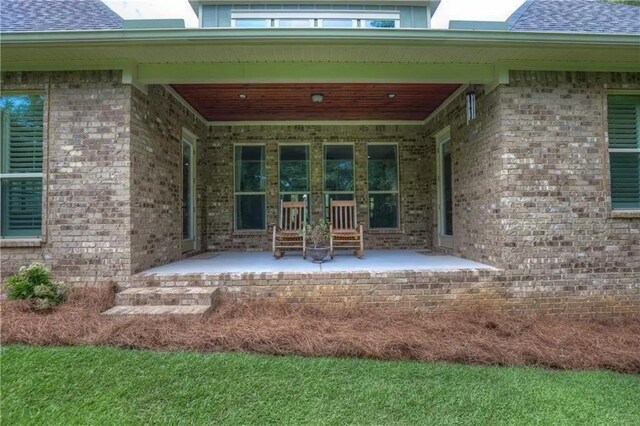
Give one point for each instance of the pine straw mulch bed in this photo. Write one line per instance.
(274, 328)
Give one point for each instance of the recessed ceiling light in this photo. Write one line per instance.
(391, 95)
(317, 97)
(242, 96)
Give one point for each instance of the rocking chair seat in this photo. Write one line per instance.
(288, 236)
(346, 236)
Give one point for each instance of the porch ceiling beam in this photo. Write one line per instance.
(314, 72)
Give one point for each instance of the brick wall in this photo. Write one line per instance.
(431, 291)
(112, 177)
(415, 211)
(530, 191)
(157, 124)
(478, 182)
(86, 177)
(556, 207)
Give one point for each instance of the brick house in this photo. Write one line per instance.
(512, 144)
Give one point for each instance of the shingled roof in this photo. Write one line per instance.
(586, 16)
(56, 15)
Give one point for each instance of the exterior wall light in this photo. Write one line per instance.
(471, 104)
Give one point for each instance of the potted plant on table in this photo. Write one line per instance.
(317, 235)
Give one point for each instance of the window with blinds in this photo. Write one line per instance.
(21, 117)
(624, 150)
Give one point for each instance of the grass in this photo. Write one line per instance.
(98, 385)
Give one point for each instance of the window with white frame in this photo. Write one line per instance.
(250, 195)
(383, 188)
(294, 172)
(22, 118)
(314, 19)
(338, 174)
(624, 150)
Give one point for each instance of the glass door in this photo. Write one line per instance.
(445, 190)
(188, 194)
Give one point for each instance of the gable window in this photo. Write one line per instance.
(252, 23)
(294, 174)
(250, 195)
(338, 174)
(624, 150)
(21, 116)
(382, 181)
(314, 19)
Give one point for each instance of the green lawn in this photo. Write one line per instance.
(91, 385)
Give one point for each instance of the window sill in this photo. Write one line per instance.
(20, 242)
(625, 214)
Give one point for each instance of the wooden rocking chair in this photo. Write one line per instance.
(344, 232)
(288, 235)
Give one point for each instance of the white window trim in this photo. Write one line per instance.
(396, 192)
(315, 16)
(442, 137)
(235, 193)
(191, 140)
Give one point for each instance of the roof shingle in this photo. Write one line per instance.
(57, 15)
(587, 16)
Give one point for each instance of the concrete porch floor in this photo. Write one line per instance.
(374, 260)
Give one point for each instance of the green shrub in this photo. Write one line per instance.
(34, 283)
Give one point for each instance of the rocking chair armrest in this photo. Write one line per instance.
(274, 225)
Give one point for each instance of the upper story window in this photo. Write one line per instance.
(314, 19)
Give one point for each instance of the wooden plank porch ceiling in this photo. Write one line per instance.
(283, 101)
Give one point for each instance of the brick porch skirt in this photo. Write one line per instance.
(433, 291)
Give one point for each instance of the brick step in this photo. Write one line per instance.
(194, 310)
(168, 296)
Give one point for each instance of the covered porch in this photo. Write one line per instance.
(406, 279)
